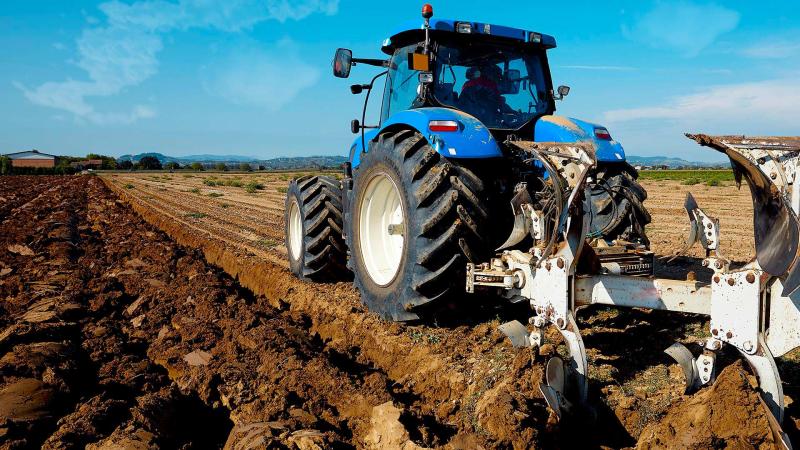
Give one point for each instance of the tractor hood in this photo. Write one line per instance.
(415, 31)
(565, 129)
(473, 140)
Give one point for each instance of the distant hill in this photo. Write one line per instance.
(297, 162)
(300, 162)
(303, 161)
(658, 161)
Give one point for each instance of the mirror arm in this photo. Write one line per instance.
(371, 62)
(364, 112)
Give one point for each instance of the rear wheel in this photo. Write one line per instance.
(313, 221)
(617, 205)
(415, 220)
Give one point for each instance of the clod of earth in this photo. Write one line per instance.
(23, 250)
(197, 358)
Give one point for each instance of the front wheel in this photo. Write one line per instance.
(416, 219)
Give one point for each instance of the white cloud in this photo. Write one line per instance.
(123, 52)
(236, 15)
(267, 77)
(776, 48)
(684, 26)
(763, 107)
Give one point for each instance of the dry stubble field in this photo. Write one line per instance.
(155, 310)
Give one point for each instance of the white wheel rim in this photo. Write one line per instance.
(295, 230)
(381, 229)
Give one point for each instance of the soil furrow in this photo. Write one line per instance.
(126, 336)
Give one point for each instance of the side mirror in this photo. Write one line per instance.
(342, 62)
(355, 126)
(563, 91)
(511, 81)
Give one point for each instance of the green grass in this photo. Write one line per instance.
(714, 177)
(194, 190)
(691, 181)
(129, 186)
(252, 186)
(197, 215)
(215, 194)
(268, 243)
(282, 189)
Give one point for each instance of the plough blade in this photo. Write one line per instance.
(776, 428)
(522, 225)
(518, 233)
(769, 164)
(685, 359)
(553, 388)
(516, 332)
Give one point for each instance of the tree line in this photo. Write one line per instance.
(64, 165)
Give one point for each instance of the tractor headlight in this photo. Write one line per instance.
(463, 27)
(536, 38)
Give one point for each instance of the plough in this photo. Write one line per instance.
(753, 307)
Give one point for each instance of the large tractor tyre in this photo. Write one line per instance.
(313, 220)
(617, 202)
(415, 220)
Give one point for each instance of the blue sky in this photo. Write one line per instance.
(252, 77)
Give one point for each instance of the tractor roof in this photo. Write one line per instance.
(447, 25)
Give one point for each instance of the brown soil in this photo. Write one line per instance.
(113, 333)
(670, 225)
(727, 415)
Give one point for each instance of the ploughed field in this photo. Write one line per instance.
(155, 310)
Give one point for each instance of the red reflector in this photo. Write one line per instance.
(443, 125)
(427, 11)
(602, 133)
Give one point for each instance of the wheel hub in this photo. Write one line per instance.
(381, 229)
(295, 231)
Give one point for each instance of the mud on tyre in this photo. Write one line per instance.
(414, 220)
(617, 203)
(313, 221)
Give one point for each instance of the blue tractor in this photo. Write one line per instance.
(436, 184)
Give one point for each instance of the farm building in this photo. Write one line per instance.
(32, 158)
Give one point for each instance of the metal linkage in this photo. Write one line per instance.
(755, 308)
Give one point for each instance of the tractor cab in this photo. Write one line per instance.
(500, 78)
(498, 75)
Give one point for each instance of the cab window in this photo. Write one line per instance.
(400, 92)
